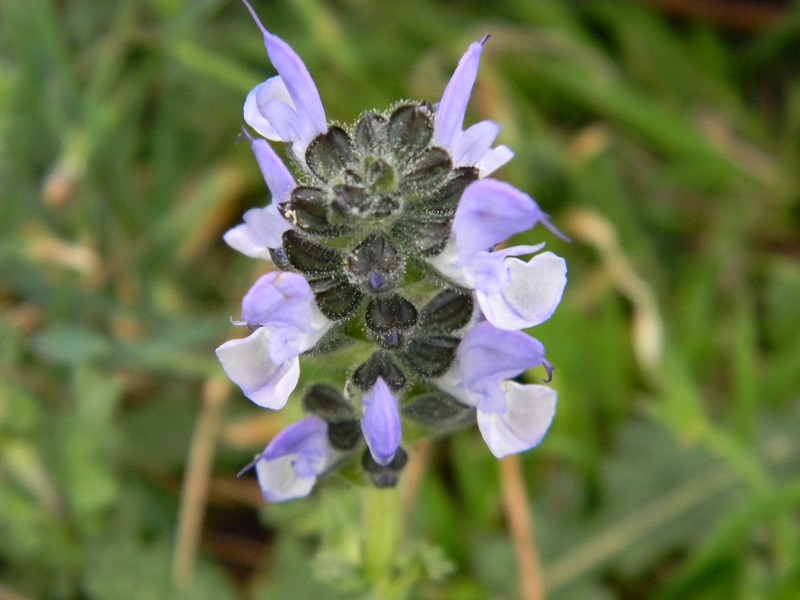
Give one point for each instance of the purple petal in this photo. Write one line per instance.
(248, 364)
(289, 342)
(531, 296)
(301, 86)
(493, 160)
(279, 180)
(489, 272)
(486, 357)
(529, 412)
(262, 229)
(489, 212)
(381, 423)
(309, 115)
(448, 264)
(284, 303)
(279, 480)
(487, 352)
(289, 466)
(265, 93)
(474, 143)
(284, 118)
(307, 436)
(279, 297)
(453, 106)
(486, 271)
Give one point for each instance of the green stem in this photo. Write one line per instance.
(382, 528)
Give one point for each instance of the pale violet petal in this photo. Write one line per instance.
(279, 480)
(488, 272)
(533, 292)
(262, 229)
(291, 463)
(485, 270)
(381, 422)
(248, 364)
(452, 382)
(484, 359)
(487, 396)
(279, 298)
(279, 180)
(453, 106)
(308, 436)
(286, 122)
(529, 412)
(493, 160)
(473, 146)
(283, 303)
(309, 120)
(446, 262)
(242, 239)
(518, 250)
(288, 342)
(489, 353)
(474, 143)
(488, 213)
(271, 90)
(301, 86)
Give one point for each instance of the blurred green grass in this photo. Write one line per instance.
(667, 149)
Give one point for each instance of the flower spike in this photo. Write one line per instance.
(384, 238)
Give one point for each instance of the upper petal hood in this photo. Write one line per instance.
(287, 108)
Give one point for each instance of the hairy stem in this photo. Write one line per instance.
(382, 516)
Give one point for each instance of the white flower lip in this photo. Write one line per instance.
(532, 294)
(289, 466)
(248, 364)
(529, 412)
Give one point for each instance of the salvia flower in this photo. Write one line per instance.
(470, 148)
(512, 294)
(285, 322)
(290, 464)
(512, 417)
(384, 239)
(263, 227)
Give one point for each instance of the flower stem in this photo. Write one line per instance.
(382, 514)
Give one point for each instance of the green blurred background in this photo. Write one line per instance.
(663, 137)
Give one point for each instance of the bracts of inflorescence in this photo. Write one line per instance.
(383, 235)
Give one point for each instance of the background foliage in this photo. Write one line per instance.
(666, 147)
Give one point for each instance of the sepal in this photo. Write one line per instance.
(438, 411)
(384, 476)
(430, 355)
